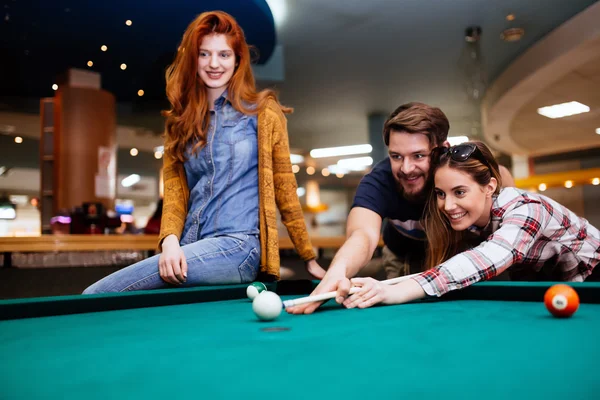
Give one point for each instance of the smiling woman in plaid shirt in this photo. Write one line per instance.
(522, 230)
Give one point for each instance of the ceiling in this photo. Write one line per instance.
(543, 135)
(353, 58)
(344, 59)
(42, 39)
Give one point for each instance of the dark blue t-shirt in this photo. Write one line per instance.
(378, 192)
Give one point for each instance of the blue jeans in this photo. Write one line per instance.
(222, 260)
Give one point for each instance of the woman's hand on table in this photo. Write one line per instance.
(372, 291)
(172, 264)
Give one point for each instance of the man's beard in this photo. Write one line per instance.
(416, 197)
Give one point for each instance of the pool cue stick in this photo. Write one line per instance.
(331, 295)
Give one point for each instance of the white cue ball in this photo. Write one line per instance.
(267, 306)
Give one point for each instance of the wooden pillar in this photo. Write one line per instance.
(78, 149)
(85, 147)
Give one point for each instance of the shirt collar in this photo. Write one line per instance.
(220, 102)
(487, 229)
(480, 231)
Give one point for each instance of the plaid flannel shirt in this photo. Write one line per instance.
(527, 229)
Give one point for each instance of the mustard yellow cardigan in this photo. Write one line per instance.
(276, 188)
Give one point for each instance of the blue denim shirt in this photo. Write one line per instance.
(223, 177)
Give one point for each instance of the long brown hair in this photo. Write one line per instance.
(188, 119)
(443, 241)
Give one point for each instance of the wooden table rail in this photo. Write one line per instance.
(73, 243)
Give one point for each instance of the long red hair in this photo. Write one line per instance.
(188, 119)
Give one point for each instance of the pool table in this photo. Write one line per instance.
(494, 340)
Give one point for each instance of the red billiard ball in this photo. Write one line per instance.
(561, 300)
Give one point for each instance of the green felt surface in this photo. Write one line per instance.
(462, 349)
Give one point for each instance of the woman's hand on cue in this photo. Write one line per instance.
(371, 292)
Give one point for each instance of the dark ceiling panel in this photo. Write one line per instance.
(39, 40)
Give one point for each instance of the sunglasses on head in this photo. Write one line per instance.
(461, 153)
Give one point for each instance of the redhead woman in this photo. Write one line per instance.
(227, 171)
(528, 234)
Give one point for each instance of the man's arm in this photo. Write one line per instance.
(363, 230)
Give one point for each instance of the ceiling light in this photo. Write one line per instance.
(140, 92)
(90, 64)
(19, 199)
(569, 184)
(512, 34)
(123, 66)
(598, 131)
(295, 168)
(300, 191)
(336, 169)
(296, 158)
(339, 175)
(159, 151)
(8, 129)
(563, 110)
(542, 187)
(130, 180)
(103, 47)
(18, 139)
(128, 22)
(341, 151)
(454, 140)
(596, 181)
(134, 152)
(325, 172)
(354, 163)
(55, 87)
(310, 170)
